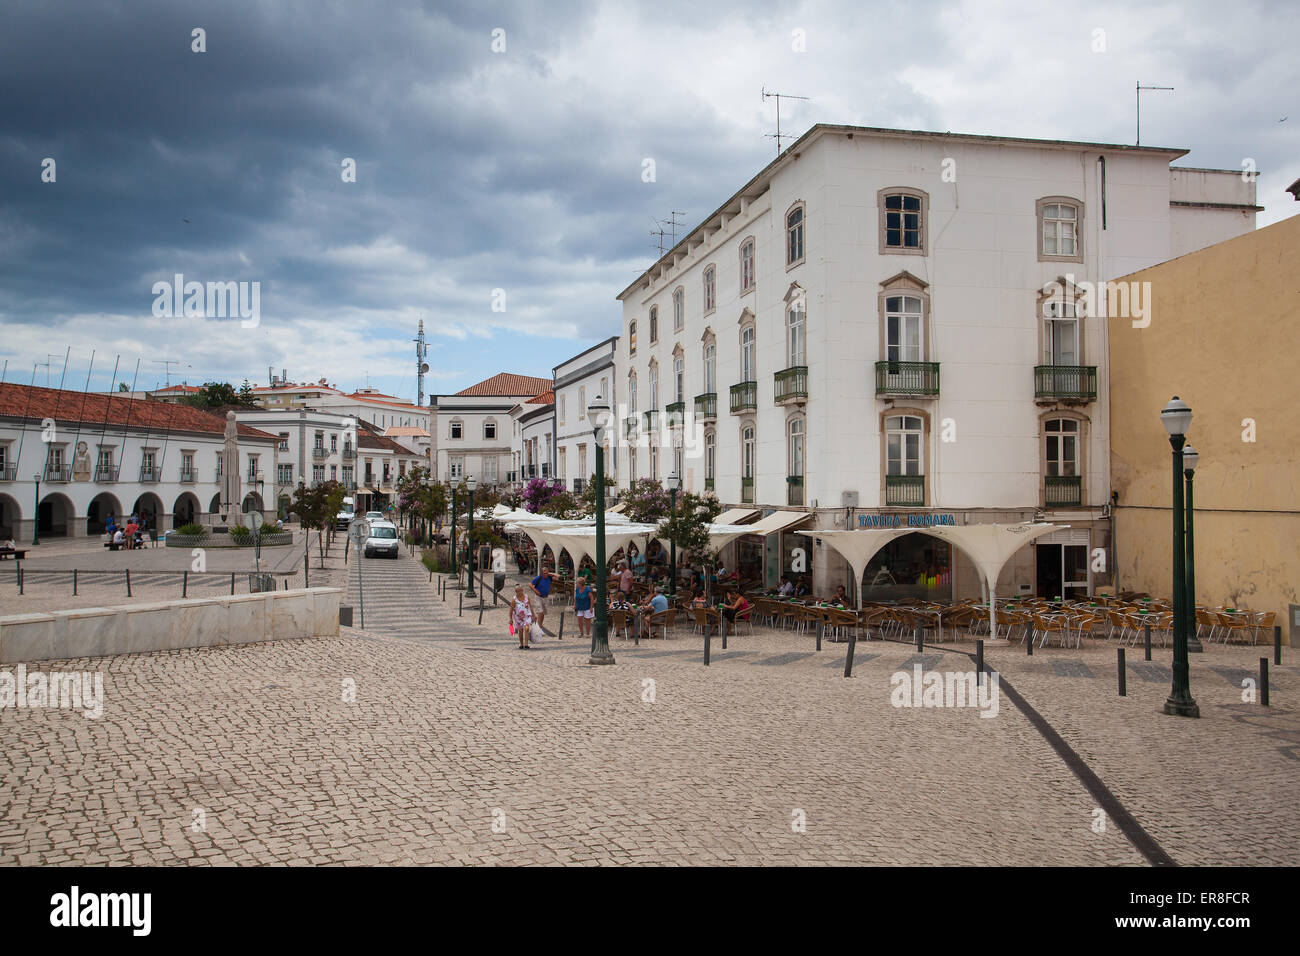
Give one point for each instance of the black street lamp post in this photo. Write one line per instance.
(598, 414)
(673, 482)
(455, 555)
(471, 483)
(1176, 418)
(36, 515)
(1190, 458)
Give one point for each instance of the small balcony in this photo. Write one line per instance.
(512, 476)
(904, 491)
(651, 419)
(630, 428)
(530, 471)
(319, 452)
(349, 453)
(1062, 491)
(794, 490)
(907, 378)
(706, 406)
(107, 473)
(1065, 383)
(708, 484)
(9, 473)
(546, 469)
(791, 385)
(219, 475)
(189, 475)
(150, 475)
(283, 446)
(747, 491)
(744, 397)
(58, 473)
(676, 413)
(579, 485)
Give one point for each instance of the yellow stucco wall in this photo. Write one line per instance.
(1224, 336)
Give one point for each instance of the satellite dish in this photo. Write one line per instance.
(424, 367)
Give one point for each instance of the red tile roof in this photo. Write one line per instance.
(546, 398)
(508, 383)
(367, 439)
(95, 408)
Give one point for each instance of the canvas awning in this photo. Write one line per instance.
(989, 546)
(778, 521)
(736, 515)
(580, 542)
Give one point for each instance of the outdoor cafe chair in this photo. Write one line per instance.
(841, 622)
(618, 621)
(1238, 624)
(662, 620)
(1263, 623)
(1207, 625)
(1046, 625)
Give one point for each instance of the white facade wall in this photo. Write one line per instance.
(486, 458)
(577, 383)
(298, 430)
(70, 502)
(532, 442)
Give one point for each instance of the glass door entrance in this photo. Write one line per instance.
(1062, 571)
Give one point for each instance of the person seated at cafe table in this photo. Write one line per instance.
(698, 599)
(737, 606)
(841, 597)
(119, 540)
(655, 605)
(786, 589)
(619, 603)
(802, 589)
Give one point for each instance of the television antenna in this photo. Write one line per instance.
(779, 97)
(672, 224)
(167, 364)
(421, 366)
(1137, 98)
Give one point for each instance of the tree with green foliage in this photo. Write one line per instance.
(123, 387)
(219, 394)
(688, 526)
(646, 500)
(588, 498)
(316, 507)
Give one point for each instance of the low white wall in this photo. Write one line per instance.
(165, 625)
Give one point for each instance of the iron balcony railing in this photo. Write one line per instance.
(318, 451)
(630, 428)
(579, 485)
(1063, 490)
(791, 384)
(349, 453)
(58, 473)
(283, 446)
(794, 489)
(651, 419)
(150, 475)
(905, 490)
(546, 469)
(219, 475)
(907, 378)
(9, 473)
(676, 412)
(706, 406)
(189, 474)
(708, 484)
(744, 397)
(107, 472)
(747, 490)
(1076, 382)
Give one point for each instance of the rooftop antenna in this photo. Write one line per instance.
(421, 366)
(671, 231)
(46, 363)
(167, 364)
(779, 97)
(1137, 97)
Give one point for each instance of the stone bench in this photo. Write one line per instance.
(167, 625)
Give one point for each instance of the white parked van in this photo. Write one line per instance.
(381, 540)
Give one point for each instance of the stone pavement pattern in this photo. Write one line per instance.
(453, 730)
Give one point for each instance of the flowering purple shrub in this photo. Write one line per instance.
(539, 491)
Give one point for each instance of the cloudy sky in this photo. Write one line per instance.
(517, 169)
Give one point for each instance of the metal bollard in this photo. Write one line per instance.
(460, 610)
(185, 583)
(722, 622)
(74, 582)
(848, 658)
(232, 582)
(1263, 681)
(1146, 640)
(1123, 673)
(920, 639)
(979, 662)
(480, 612)
(708, 640)
(819, 637)
(20, 575)
(560, 634)
(1029, 644)
(128, 582)
(1277, 644)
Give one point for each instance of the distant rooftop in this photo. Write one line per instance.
(507, 383)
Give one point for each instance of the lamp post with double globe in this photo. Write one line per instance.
(470, 483)
(598, 414)
(36, 515)
(1177, 418)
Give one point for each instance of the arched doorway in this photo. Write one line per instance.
(98, 511)
(10, 515)
(913, 567)
(150, 509)
(185, 510)
(285, 505)
(214, 506)
(252, 502)
(55, 516)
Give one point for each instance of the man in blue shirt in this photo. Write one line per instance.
(541, 587)
(655, 605)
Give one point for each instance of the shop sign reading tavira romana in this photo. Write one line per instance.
(905, 521)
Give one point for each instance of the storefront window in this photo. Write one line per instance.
(796, 557)
(911, 568)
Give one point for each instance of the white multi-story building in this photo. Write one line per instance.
(313, 447)
(69, 459)
(472, 429)
(532, 438)
(578, 381)
(887, 326)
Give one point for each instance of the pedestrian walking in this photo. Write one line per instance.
(541, 588)
(521, 617)
(582, 607)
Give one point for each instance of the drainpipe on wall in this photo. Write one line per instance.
(1114, 554)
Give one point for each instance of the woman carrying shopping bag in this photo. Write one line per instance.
(521, 617)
